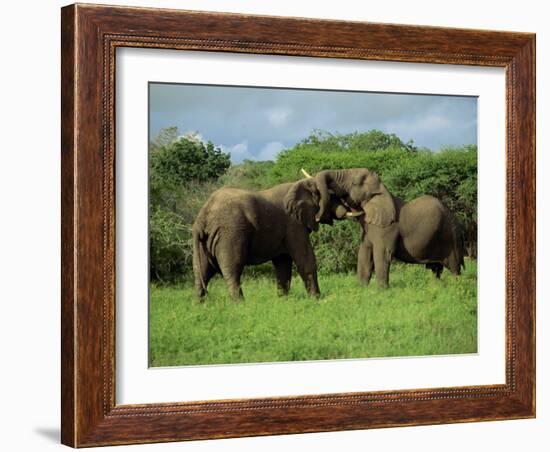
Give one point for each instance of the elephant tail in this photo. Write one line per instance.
(200, 258)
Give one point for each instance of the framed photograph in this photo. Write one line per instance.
(281, 225)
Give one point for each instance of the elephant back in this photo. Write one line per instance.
(424, 210)
(423, 226)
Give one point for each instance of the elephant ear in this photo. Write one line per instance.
(302, 203)
(380, 210)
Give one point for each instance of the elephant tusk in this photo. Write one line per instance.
(354, 214)
(305, 173)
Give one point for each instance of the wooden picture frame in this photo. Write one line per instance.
(90, 36)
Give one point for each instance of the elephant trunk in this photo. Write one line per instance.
(322, 186)
(335, 179)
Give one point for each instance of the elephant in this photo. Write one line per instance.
(237, 227)
(421, 231)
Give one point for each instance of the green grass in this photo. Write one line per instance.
(418, 315)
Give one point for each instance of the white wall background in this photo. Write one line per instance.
(29, 230)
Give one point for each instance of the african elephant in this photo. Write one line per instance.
(236, 227)
(422, 231)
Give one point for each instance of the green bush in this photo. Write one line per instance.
(170, 245)
(248, 175)
(336, 246)
(373, 140)
(184, 171)
(290, 161)
(186, 159)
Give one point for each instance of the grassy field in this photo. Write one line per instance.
(418, 315)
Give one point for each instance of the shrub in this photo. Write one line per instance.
(171, 245)
(171, 252)
(185, 160)
(184, 170)
(373, 140)
(336, 246)
(249, 175)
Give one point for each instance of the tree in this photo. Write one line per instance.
(188, 159)
(372, 140)
(183, 171)
(164, 138)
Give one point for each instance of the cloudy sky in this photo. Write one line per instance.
(256, 123)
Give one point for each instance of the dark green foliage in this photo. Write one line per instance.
(373, 140)
(183, 171)
(313, 160)
(185, 160)
(248, 175)
(169, 243)
(170, 222)
(336, 246)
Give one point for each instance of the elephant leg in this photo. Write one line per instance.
(231, 256)
(307, 269)
(365, 263)
(382, 260)
(436, 269)
(308, 273)
(301, 252)
(309, 276)
(233, 281)
(283, 273)
(454, 264)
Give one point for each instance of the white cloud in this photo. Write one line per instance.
(270, 150)
(193, 135)
(238, 151)
(233, 114)
(279, 117)
(241, 151)
(433, 122)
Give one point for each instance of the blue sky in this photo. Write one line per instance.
(256, 123)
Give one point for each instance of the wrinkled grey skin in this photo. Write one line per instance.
(353, 186)
(422, 231)
(237, 227)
